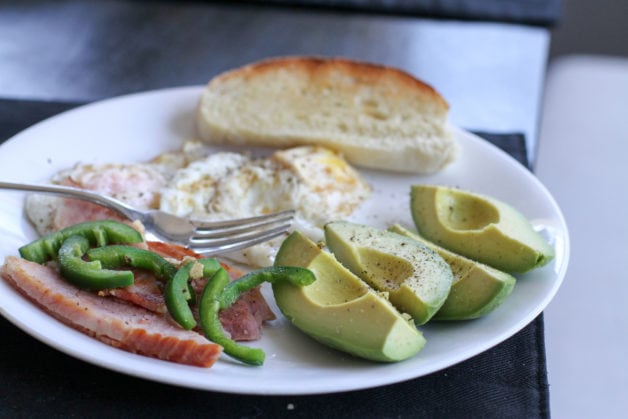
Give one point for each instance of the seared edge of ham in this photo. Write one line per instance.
(116, 323)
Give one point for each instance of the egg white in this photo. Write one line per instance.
(314, 181)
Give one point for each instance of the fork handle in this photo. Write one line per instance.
(70, 192)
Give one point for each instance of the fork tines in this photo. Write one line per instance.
(224, 236)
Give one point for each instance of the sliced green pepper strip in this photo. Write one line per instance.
(84, 274)
(178, 295)
(219, 293)
(296, 275)
(209, 307)
(99, 233)
(117, 256)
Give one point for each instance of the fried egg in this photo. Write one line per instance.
(314, 181)
(199, 183)
(138, 185)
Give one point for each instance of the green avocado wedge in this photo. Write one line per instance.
(477, 289)
(340, 310)
(415, 277)
(479, 227)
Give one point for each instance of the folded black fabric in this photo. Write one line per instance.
(530, 12)
(509, 380)
(512, 143)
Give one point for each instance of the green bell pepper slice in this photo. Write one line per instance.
(178, 295)
(116, 256)
(88, 274)
(219, 294)
(98, 233)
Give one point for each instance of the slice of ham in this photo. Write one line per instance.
(244, 318)
(116, 323)
(242, 321)
(172, 251)
(146, 292)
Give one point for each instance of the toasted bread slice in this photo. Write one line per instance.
(377, 117)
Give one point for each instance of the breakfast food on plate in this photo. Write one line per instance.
(371, 284)
(116, 323)
(195, 182)
(354, 287)
(73, 274)
(377, 117)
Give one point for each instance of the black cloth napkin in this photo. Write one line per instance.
(530, 12)
(509, 380)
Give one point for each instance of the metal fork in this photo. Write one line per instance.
(205, 237)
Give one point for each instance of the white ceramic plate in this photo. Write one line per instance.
(135, 128)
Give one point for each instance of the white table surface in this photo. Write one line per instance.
(582, 160)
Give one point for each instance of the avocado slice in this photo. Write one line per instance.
(479, 227)
(416, 278)
(477, 289)
(339, 309)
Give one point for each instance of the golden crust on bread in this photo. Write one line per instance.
(319, 68)
(377, 116)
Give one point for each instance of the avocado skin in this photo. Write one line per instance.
(479, 227)
(416, 278)
(340, 310)
(477, 289)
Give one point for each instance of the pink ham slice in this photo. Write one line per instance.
(116, 323)
(244, 318)
(243, 321)
(145, 292)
